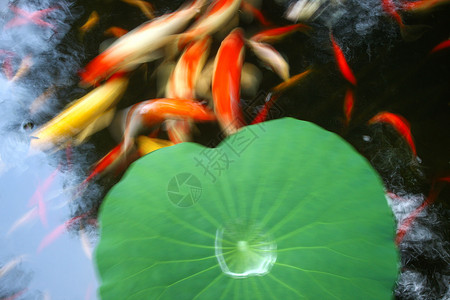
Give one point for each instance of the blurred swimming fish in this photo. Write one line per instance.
(79, 114)
(145, 7)
(147, 145)
(349, 102)
(408, 32)
(57, 232)
(226, 81)
(137, 46)
(276, 34)
(10, 265)
(216, 16)
(24, 17)
(115, 31)
(24, 68)
(270, 57)
(441, 46)
(91, 22)
(151, 113)
(39, 102)
(246, 6)
(422, 6)
(342, 62)
(400, 124)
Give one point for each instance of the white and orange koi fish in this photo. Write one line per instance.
(270, 57)
(134, 47)
(226, 81)
(216, 16)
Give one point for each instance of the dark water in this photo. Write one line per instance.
(393, 75)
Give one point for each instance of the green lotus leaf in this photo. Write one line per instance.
(279, 210)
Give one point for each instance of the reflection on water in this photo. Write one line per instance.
(40, 58)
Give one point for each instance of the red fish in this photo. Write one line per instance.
(255, 12)
(441, 46)
(275, 93)
(115, 31)
(408, 32)
(399, 123)
(226, 81)
(58, 231)
(406, 224)
(349, 102)
(342, 62)
(276, 34)
(137, 46)
(422, 5)
(24, 17)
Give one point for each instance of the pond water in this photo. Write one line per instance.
(47, 232)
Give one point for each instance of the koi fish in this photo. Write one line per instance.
(11, 265)
(41, 99)
(342, 62)
(115, 31)
(100, 122)
(349, 102)
(186, 72)
(304, 10)
(44, 187)
(151, 113)
(24, 17)
(408, 32)
(86, 243)
(275, 34)
(400, 124)
(255, 12)
(57, 232)
(145, 7)
(250, 79)
(79, 114)
(271, 57)
(147, 145)
(27, 217)
(24, 67)
(406, 224)
(135, 47)
(275, 93)
(182, 82)
(215, 17)
(441, 46)
(422, 6)
(226, 81)
(90, 23)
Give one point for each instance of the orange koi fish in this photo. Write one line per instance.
(400, 124)
(441, 46)
(408, 32)
(226, 81)
(349, 102)
(135, 47)
(215, 17)
(275, 34)
(270, 57)
(152, 113)
(80, 114)
(115, 31)
(342, 62)
(422, 6)
(275, 93)
(185, 74)
(255, 12)
(90, 23)
(182, 83)
(145, 7)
